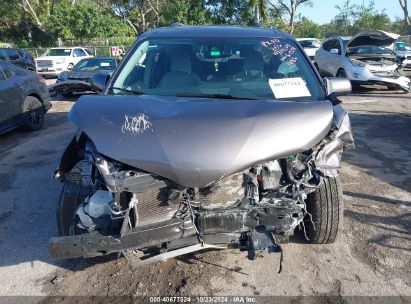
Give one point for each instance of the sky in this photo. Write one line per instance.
(323, 11)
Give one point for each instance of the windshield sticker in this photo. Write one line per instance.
(135, 125)
(285, 51)
(105, 64)
(67, 51)
(289, 87)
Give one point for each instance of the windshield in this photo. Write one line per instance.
(310, 43)
(94, 64)
(254, 68)
(369, 49)
(57, 52)
(402, 47)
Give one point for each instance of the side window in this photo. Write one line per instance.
(13, 55)
(332, 44)
(79, 53)
(327, 46)
(2, 55)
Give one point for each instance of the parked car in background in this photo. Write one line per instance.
(404, 50)
(366, 58)
(78, 79)
(310, 46)
(56, 60)
(24, 98)
(18, 57)
(204, 137)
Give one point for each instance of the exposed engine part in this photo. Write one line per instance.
(271, 176)
(259, 241)
(99, 211)
(251, 188)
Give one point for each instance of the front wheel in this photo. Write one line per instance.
(33, 114)
(341, 73)
(326, 208)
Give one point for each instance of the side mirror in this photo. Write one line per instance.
(99, 82)
(334, 51)
(338, 85)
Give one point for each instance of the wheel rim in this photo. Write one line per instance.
(35, 113)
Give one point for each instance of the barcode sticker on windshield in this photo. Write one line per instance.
(289, 87)
(105, 64)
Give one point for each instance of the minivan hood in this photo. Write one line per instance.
(196, 141)
(373, 37)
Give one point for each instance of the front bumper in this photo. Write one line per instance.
(362, 76)
(280, 220)
(51, 70)
(70, 86)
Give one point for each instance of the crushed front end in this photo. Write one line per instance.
(119, 208)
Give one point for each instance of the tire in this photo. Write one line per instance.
(71, 195)
(326, 208)
(33, 114)
(341, 73)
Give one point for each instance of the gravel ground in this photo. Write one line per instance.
(372, 257)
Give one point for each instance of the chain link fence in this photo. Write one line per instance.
(97, 51)
(406, 39)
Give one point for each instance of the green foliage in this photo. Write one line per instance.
(307, 28)
(353, 18)
(187, 12)
(117, 22)
(83, 21)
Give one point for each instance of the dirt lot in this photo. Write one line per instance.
(372, 256)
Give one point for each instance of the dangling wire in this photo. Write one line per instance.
(186, 198)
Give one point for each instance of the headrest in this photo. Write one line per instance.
(180, 62)
(254, 61)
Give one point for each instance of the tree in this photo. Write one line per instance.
(307, 29)
(344, 16)
(140, 15)
(81, 20)
(291, 9)
(260, 10)
(404, 7)
(366, 17)
(192, 12)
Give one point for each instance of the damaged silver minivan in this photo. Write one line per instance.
(366, 58)
(204, 137)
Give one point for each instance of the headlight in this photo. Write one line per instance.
(60, 61)
(358, 63)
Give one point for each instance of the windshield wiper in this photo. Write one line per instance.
(217, 96)
(127, 91)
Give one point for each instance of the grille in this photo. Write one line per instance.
(44, 63)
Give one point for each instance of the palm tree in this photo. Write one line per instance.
(260, 11)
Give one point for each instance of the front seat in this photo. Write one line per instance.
(180, 74)
(254, 64)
